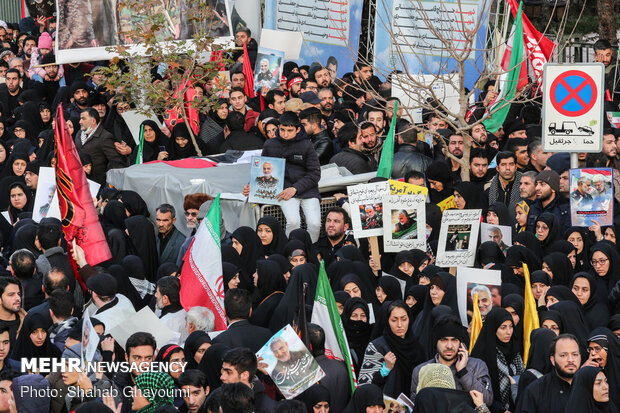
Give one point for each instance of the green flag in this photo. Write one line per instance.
(325, 313)
(387, 153)
(140, 146)
(514, 71)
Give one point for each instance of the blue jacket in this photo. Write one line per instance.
(302, 170)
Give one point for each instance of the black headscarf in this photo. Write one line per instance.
(24, 238)
(402, 257)
(166, 269)
(283, 262)
(573, 322)
(25, 348)
(407, 350)
(424, 322)
(562, 246)
(418, 292)
(528, 240)
(489, 252)
(229, 271)
(515, 301)
(596, 313)
(353, 278)
(614, 322)
(561, 293)
(612, 367)
(14, 212)
(150, 150)
(350, 253)
(487, 344)
(252, 250)
(560, 267)
(540, 350)
(192, 344)
(142, 238)
(279, 236)
(175, 151)
(606, 283)
(114, 215)
(357, 331)
(540, 277)
(516, 256)
(391, 288)
(366, 395)
(31, 121)
(211, 364)
(313, 395)
(303, 236)
(134, 203)
(555, 229)
(338, 270)
(581, 397)
(270, 280)
(583, 257)
(474, 198)
(436, 399)
(501, 210)
(289, 306)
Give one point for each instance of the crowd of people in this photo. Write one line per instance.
(399, 311)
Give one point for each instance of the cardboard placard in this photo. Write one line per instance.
(591, 196)
(366, 202)
(458, 237)
(486, 283)
(404, 222)
(266, 179)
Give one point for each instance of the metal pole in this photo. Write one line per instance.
(574, 160)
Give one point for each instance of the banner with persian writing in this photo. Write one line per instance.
(330, 29)
(421, 37)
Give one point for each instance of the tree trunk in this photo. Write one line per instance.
(606, 21)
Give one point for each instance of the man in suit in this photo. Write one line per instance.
(240, 333)
(169, 239)
(99, 144)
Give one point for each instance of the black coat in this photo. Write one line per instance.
(100, 147)
(302, 170)
(355, 161)
(323, 146)
(409, 159)
(244, 334)
(241, 141)
(548, 394)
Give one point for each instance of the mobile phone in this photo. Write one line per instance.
(162, 148)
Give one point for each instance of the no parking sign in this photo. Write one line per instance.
(573, 99)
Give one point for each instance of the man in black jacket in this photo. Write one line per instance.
(240, 333)
(311, 121)
(301, 175)
(351, 157)
(195, 388)
(408, 158)
(236, 137)
(243, 35)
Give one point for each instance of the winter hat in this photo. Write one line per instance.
(45, 41)
(551, 178)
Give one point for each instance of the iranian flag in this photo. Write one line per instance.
(538, 48)
(514, 76)
(202, 282)
(325, 313)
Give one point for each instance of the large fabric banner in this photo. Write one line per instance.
(330, 29)
(418, 36)
(86, 28)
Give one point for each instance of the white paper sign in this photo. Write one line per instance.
(366, 202)
(458, 237)
(143, 320)
(54, 209)
(404, 222)
(482, 282)
(90, 340)
(45, 195)
(289, 42)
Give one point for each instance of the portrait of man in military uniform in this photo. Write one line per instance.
(267, 180)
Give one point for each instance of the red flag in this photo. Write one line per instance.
(77, 211)
(173, 113)
(538, 47)
(248, 73)
(23, 9)
(218, 57)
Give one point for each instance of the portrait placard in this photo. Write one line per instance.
(366, 202)
(404, 222)
(458, 237)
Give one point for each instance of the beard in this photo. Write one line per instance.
(563, 373)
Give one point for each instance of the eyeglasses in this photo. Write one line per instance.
(594, 349)
(596, 263)
(192, 214)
